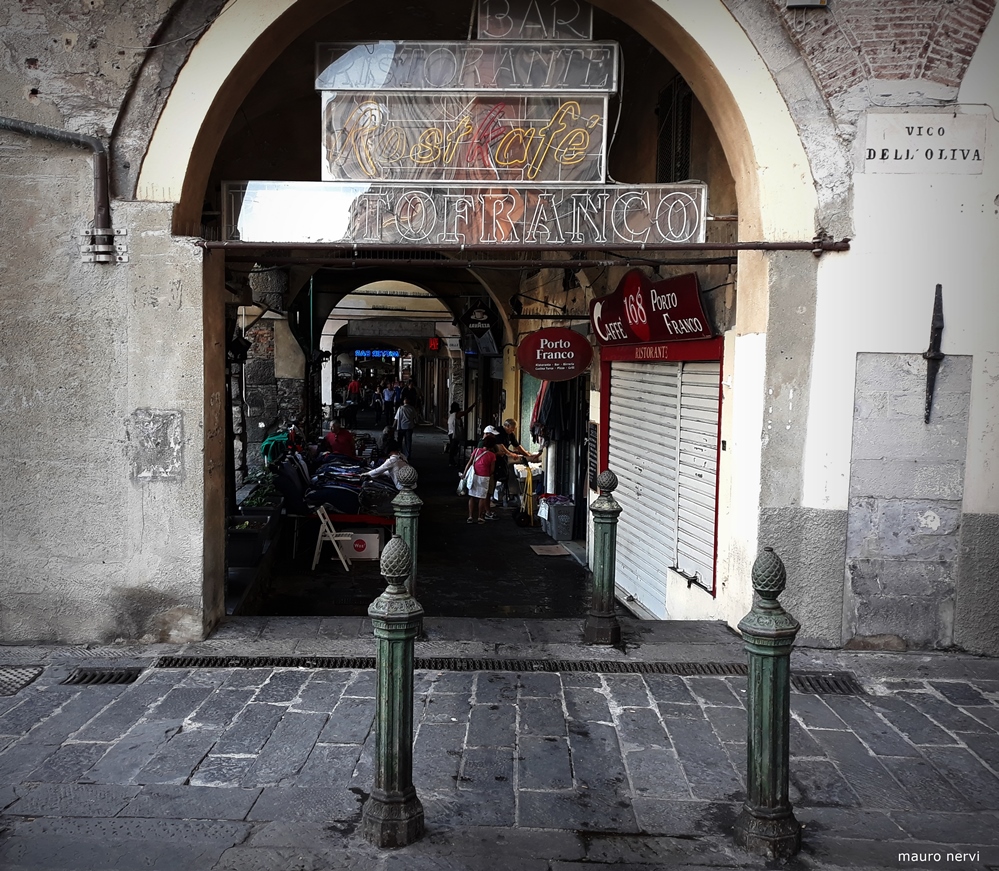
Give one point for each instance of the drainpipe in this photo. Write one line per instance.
(103, 249)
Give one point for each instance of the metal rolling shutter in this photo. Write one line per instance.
(698, 464)
(662, 439)
(642, 441)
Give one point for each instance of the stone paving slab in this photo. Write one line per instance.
(619, 770)
(98, 844)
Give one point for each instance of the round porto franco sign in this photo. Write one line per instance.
(554, 354)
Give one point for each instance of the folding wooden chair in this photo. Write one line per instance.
(327, 532)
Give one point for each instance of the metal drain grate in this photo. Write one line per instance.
(102, 676)
(13, 679)
(350, 662)
(447, 663)
(842, 683)
(838, 683)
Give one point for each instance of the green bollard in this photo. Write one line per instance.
(393, 815)
(407, 518)
(601, 625)
(767, 825)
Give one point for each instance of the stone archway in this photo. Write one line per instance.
(774, 184)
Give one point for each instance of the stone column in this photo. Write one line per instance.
(601, 625)
(393, 815)
(767, 824)
(407, 518)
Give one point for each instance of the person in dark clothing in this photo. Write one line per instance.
(388, 402)
(456, 431)
(414, 395)
(508, 451)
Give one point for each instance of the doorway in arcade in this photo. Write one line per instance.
(556, 414)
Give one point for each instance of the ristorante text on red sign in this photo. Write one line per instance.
(641, 311)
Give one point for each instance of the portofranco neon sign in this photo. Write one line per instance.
(460, 216)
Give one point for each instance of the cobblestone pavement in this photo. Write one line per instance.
(267, 767)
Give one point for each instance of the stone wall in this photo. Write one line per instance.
(904, 517)
(103, 520)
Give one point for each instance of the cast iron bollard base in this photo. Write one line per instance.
(767, 825)
(392, 820)
(393, 815)
(778, 838)
(601, 625)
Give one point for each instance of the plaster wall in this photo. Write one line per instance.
(791, 359)
(913, 231)
(102, 524)
(289, 359)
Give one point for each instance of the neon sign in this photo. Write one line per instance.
(534, 19)
(396, 137)
(510, 148)
(376, 354)
(475, 67)
(457, 216)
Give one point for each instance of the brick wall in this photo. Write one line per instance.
(851, 41)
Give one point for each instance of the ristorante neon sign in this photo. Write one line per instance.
(471, 67)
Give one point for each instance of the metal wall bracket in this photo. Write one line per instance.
(934, 355)
(103, 253)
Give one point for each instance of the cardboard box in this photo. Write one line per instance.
(364, 545)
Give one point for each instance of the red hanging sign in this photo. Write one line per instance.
(641, 311)
(554, 354)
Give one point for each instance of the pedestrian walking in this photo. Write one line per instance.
(388, 401)
(406, 417)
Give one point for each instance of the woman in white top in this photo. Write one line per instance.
(394, 463)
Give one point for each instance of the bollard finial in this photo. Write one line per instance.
(607, 481)
(769, 574)
(408, 477)
(395, 561)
